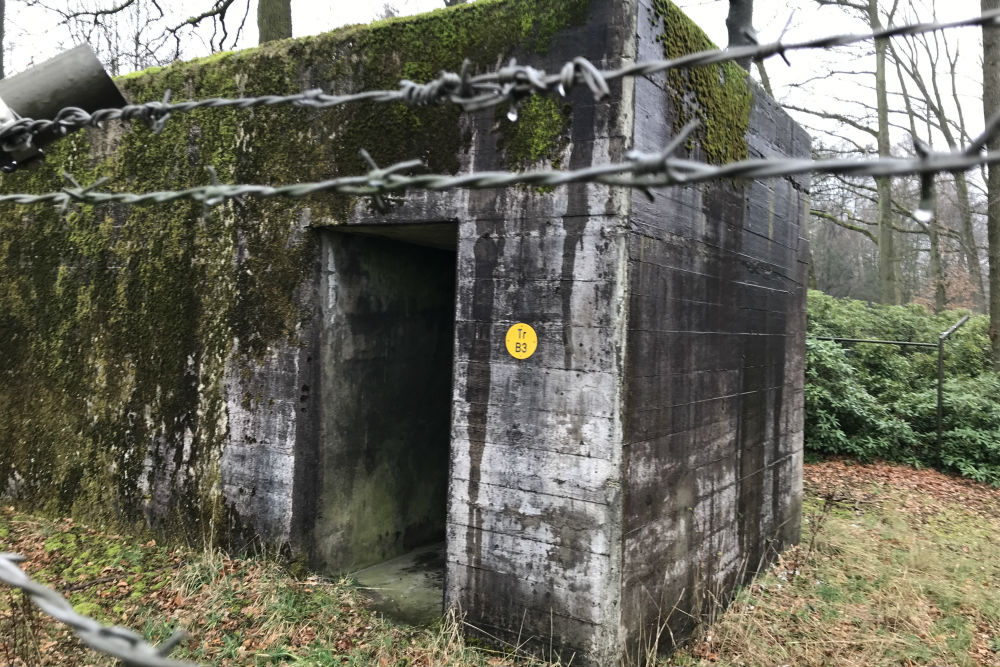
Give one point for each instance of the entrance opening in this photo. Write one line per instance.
(388, 307)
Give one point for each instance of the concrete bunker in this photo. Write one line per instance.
(294, 371)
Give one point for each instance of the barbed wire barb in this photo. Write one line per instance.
(375, 173)
(925, 209)
(639, 170)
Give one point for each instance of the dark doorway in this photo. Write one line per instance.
(386, 372)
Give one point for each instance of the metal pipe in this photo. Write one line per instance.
(940, 396)
(947, 334)
(870, 340)
(74, 78)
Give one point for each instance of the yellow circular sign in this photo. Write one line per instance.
(521, 341)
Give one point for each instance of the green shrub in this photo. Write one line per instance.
(842, 417)
(970, 438)
(870, 400)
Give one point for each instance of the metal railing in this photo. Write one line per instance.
(942, 337)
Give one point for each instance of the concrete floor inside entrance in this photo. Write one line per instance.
(409, 588)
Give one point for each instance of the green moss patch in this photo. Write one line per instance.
(540, 132)
(721, 94)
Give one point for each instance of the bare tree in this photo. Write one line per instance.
(869, 12)
(389, 10)
(919, 98)
(133, 34)
(877, 127)
(930, 220)
(919, 60)
(844, 249)
(888, 288)
(739, 23)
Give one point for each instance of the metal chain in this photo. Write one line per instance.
(122, 643)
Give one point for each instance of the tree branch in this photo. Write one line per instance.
(823, 215)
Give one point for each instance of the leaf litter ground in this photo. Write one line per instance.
(896, 566)
(237, 611)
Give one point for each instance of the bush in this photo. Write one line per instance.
(970, 438)
(870, 400)
(842, 417)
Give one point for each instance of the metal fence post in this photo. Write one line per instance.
(940, 394)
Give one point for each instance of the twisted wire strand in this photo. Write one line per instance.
(509, 84)
(639, 170)
(122, 643)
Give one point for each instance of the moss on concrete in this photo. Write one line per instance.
(721, 94)
(118, 321)
(540, 132)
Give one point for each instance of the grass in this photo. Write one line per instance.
(896, 566)
(237, 611)
(896, 569)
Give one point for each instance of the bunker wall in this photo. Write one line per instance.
(159, 363)
(713, 408)
(535, 499)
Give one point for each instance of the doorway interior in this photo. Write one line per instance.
(386, 351)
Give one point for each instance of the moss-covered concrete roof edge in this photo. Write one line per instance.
(540, 16)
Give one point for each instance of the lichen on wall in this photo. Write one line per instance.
(121, 323)
(717, 95)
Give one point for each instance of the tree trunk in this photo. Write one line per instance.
(969, 246)
(937, 268)
(887, 283)
(3, 41)
(932, 226)
(274, 19)
(739, 22)
(991, 103)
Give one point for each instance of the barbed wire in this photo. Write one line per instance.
(128, 646)
(639, 170)
(510, 84)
